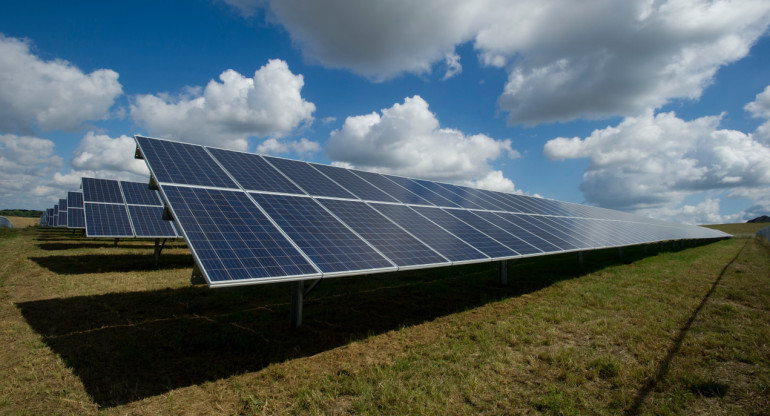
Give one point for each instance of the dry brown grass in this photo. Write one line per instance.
(21, 222)
(89, 328)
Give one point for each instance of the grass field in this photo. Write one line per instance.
(90, 328)
(21, 222)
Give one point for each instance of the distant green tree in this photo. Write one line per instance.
(30, 213)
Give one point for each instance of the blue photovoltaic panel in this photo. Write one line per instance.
(423, 192)
(75, 218)
(447, 194)
(521, 229)
(398, 246)
(231, 238)
(524, 222)
(474, 237)
(140, 194)
(328, 243)
(174, 162)
(148, 222)
(107, 220)
(49, 217)
(558, 232)
(431, 234)
(391, 188)
(308, 178)
(253, 173)
(473, 196)
(62, 205)
(74, 200)
(62, 221)
(492, 230)
(101, 190)
(359, 187)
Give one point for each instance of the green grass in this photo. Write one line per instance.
(89, 328)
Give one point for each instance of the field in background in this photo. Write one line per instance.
(21, 222)
(90, 328)
(741, 230)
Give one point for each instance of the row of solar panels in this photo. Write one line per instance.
(110, 208)
(257, 219)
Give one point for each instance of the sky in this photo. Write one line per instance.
(655, 107)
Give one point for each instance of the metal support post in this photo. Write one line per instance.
(197, 276)
(158, 249)
(116, 242)
(620, 251)
(297, 294)
(580, 257)
(644, 248)
(660, 246)
(503, 272)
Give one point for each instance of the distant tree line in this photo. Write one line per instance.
(31, 213)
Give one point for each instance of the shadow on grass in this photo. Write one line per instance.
(101, 263)
(69, 244)
(129, 346)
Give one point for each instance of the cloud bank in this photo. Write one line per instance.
(406, 139)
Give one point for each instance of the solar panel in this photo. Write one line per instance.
(256, 219)
(101, 190)
(136, 193)
(391, 188)
(62, 215)
(55, 215)
(50, 212)
(328, 242)
(399, 246)
(509, 240)
(76, 218)
(357, 186)
(233, 241)
(148, 222)
(308, 178)
(183, 164)
(74, 200)
(423, 192)
(441, 240)
(486, 244)
(107, 220)
(253, 172)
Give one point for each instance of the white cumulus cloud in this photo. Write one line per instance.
(598, 59)
(760, 108)
(227, 112)
(106, 156)
(50, 95)
(406, 139)
(654, 161)
(25, 164)
(302, 147)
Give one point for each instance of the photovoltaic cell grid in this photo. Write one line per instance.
(62, 215)
(255, 219)
(123, 210)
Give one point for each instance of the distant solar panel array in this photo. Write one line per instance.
(111, 208)
(252, 219)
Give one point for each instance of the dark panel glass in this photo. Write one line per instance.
(254, 173)
(354, 184)
(75, 218)
(231, 237)
(331, 245)
(182, 163)
(398, 246)
(148, 222)
(74, 200)
(107, 220)
(308, 178)
(140, 194)
(492, 230)
(423, 192)
(431, 234)
(391, 188)
(466, 233)
(101, 190)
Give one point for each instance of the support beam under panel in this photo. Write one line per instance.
(297, 295)
(580, 257)
(620, 251)
(503, 273)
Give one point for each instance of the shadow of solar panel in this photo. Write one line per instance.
(232, 239)
(148, 222)
(328, 243)
(431, 234)
(253, 172)
(137, 193)
(107, 220)
(182, 163)
(395, 243)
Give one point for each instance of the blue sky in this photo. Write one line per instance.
(655, 107)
